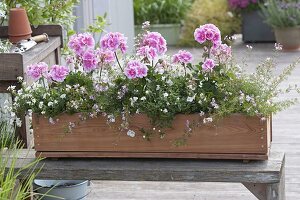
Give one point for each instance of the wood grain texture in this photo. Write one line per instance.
(236, 135)
(185, 170)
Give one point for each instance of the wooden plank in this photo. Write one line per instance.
(91, 154)
(236, 134)
(159, 169)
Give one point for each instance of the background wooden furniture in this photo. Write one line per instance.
(13, 65)
(265, 179)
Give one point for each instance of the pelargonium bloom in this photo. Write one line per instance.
(146, 51)
(182, 56)
(105, 56)
(208, 65)
(80, 43)
(37, 71)
(222, 52)
(89, 61)
(156, 41)
(114, 41)
(135, 69)
(208, 32)
(59, 73)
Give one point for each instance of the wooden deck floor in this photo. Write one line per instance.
(286, 138)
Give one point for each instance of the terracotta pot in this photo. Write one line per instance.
(18, 25)
(288, 37)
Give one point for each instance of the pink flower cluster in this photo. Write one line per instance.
(135, 69)
(241, 3)
(59, 73)
(80, 43)
(208, 32)
(105, 56)
(152, 45)
(89, 61)
(182, 57)
(208, 65)
(113, 42)
(39, 70)
(222, 53)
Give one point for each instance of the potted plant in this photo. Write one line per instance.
(284, 17)
(150, 105)
(165, 16)
(254, 29)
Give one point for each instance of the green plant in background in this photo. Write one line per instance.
(209, 11)
(5, 46)
(281, 13)
(11, 189)
(160, 11)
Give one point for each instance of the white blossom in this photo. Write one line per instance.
(131, 133)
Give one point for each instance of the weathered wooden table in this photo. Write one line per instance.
(265, 179)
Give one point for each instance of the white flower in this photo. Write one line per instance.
(143, 98)
(165, 94)
(163, 78)
(147, 92)
(41, 105)
(11, 88)
(191, 99)
(20, 78)
(50, 103)
(51, 121)
(43, 112)
(63, 96)
(169, 82)
(18, 122)
(207, 120)
(201, 113)
(165, 110)
(157, 87)
(131, 133)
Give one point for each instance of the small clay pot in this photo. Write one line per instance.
(18, 25)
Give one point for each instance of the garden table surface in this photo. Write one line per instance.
(265, 179)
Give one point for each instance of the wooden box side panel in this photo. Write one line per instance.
(235, 134)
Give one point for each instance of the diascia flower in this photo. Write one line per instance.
(59, 73)
(222, 53)
(37, 71)
(208, 65)
(182, 57)
(135, 69)
(208, 32)
(114, 41)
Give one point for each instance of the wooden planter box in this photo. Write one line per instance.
(234, 137)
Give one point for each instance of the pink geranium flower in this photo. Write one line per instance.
(135, 69)
(208, 32)
(59, 73)
(37, 71)
(80, 43)
(89, 61)
(106, 56)
(208, 65)
(152, 45)
(182, 57)
(113, 42)
(222, 53)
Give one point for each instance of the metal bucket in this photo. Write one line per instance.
(61, 189)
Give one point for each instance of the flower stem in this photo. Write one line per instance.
(118, 62)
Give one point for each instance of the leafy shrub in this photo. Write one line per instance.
(160, 11)
(209, 11)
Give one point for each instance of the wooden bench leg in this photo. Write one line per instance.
(274, 191)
